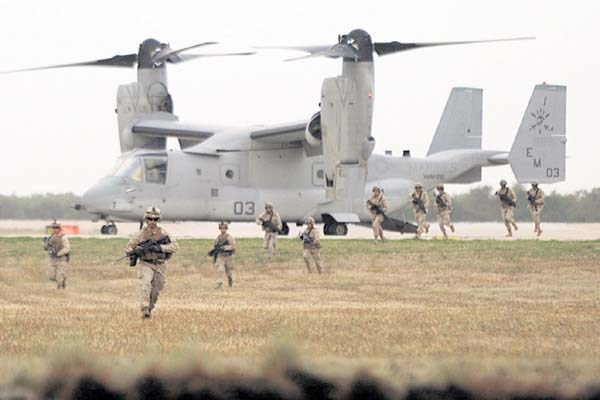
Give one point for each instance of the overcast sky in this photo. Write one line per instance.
(59, 128)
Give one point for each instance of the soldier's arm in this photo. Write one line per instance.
(171, 247)
(314, 235)
(66, 247)
(231, 246)
(448, 199)
(277, 221)
(133, 242)
(384, 204)
(425, 200)
(259, 219)
(512, 195)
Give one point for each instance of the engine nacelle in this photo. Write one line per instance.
(313, 130)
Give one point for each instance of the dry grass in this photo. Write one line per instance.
(411, 310)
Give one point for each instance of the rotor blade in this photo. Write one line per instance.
(306, 49)
(384, 48)
(168, 53)
(336, 51)
(127, 60)
(179, 58)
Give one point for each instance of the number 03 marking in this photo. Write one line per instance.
(243, 208)
(553, 172)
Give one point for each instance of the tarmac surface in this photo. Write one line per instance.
(208, 230)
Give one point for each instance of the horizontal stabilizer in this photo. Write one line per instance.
(538, 151)
(460, 124)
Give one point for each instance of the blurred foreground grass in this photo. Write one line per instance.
(404, 310)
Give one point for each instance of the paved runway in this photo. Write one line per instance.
(464, 231)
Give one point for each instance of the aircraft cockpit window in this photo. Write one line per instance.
(156, 170)
(130, 168)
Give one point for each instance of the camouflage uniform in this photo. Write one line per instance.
(313, 248)
(443, 213)
(58, 248)
(536, 207)
(420, 215)
(378, 200)
(224, 260)
(270, 240)
(507, 210)
(152, 266)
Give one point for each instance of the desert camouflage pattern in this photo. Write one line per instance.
(507, 211)
(152, 268)
(312, 250)
(270, 239)
(224, 262)
(420, 216)
(57, 266)
(444, 213)
(377, 219)
(536, 208)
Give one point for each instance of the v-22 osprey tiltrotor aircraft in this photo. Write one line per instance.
(322, 167)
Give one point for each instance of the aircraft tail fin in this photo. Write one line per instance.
(460, 124)
(538, 151)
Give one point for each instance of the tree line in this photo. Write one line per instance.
(477, 205)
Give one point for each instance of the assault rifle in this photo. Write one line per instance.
(271, 226)
(146, 246)
(51, 250)
(505, 199)
(419, 203)
(440, 202)
(217, 249)
(375, 208)
(306, 239)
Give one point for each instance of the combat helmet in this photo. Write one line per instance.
(152, 212)
(440, 186)
(223, 224)
(503, 182)
(535, 182)
(55, 224)
(310, 220)
(418, 185)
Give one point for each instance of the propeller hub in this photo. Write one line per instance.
(147, 54)
(361, 42)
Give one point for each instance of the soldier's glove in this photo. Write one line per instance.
(52, 253)
(138, 251)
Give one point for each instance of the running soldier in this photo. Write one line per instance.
(535, 196)
(58, 248)
(508, 203)
(151, 258)
(377, 206)
(443, 206)
(222, 252)
(271, 224)
(311, 245)
(420, 203)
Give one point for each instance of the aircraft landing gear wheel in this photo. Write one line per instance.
(285, 229)
(109, 229)
(339, 229)
(327, 229)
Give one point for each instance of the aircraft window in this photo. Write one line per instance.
(156, 170)
(320, 174)
(229, 174)
(130, 168)
(116, 167)
(198, 171)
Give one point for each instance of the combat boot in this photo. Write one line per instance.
(146, 313)
(219, 285)
(452, 227)
(230, 282)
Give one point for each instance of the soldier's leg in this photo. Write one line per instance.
(268, 244)
(306, 256)
(441, 224)
(220, 265)
(506, 221)
(511, 216)
(145, 273)
(158, 284)
(52, 272)
(61, 276)
(537, 219)
(316, 255)
(229, 270)
(375, 228)
(380, 226)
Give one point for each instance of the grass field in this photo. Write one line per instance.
(407, 310)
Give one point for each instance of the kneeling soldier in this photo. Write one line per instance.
(222, 252)
(58, 248)
(311, 245)
(152, 258)
(443, 205)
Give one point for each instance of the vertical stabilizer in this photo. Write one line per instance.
(460, 124)
(538, 151)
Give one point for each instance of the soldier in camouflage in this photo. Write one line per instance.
(535, 197)
(58, 248)
(419, 200)
(271, 225)
(152, 264)
(443, 206)
(508, 203)
(311, 245)
(377, 206)
(224, 256)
